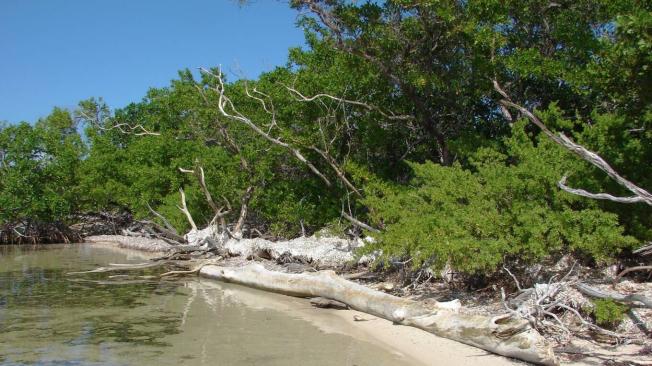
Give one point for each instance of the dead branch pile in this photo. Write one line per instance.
(559, 308)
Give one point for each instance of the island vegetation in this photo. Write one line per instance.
(464, 137)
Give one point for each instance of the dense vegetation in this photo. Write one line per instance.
(411, 137)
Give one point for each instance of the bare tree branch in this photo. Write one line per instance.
(202, 184)
(100, 122)
(340, 174)
(431, 122)
(230, 142)
(225, 103)
(184, 209)
(219, 212)
(598, 196)
(627, 299)
(644, 250)
(631, 269)
(165, 221)
(359, 223)
(244, 205)
(389, 115)
(581, 151)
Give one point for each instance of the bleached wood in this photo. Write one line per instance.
(640, 194)
(184, 209)
(503, 335)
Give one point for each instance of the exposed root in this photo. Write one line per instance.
(33, 232)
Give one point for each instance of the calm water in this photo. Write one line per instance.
(50, 318)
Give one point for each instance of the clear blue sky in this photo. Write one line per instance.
(58, 52)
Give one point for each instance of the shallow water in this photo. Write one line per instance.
(50, 318)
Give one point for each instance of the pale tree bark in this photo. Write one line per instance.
(228, 109)
(201, 178)
(338, 171)
(359, 223)
(597, 196)
(165, 221)
(99, 116)
(367, 106)
(504, 335)
(326, 142)
(264, 129)
(184, 209)
(640, 194)
(244, 207)
(219, 212)
(632, 299)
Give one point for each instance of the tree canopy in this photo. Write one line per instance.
(398, 114)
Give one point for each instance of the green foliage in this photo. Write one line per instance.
(39, 169)
(441, 167)
(128, 171)
(608, 313)
(505, 204)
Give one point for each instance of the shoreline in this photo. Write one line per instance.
(423, 347)
(414, 345)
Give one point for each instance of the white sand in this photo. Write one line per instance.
(423, 347)
(413, 345)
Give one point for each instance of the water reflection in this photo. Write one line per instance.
(49, 318)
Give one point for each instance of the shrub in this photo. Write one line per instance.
(502, 205)
(608, 313)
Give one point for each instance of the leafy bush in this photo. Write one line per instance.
(503, 205)
(39, 169)
(608, 313)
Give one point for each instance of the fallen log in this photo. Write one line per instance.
(634, 299)
(503, 335)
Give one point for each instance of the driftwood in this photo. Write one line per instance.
(192, 270)
(150, 229)
(634, 299)
(644, 250)
(132, 242)
(630, 269)
(503, 335)
(122, 267)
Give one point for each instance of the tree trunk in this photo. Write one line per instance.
(501, 334)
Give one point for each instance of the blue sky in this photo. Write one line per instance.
(58, 52)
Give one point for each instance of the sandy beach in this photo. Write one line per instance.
(423, 347)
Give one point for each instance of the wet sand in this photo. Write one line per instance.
(413, 345)
(425, 348)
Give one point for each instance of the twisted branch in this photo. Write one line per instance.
(225, 103)
(640, 195)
